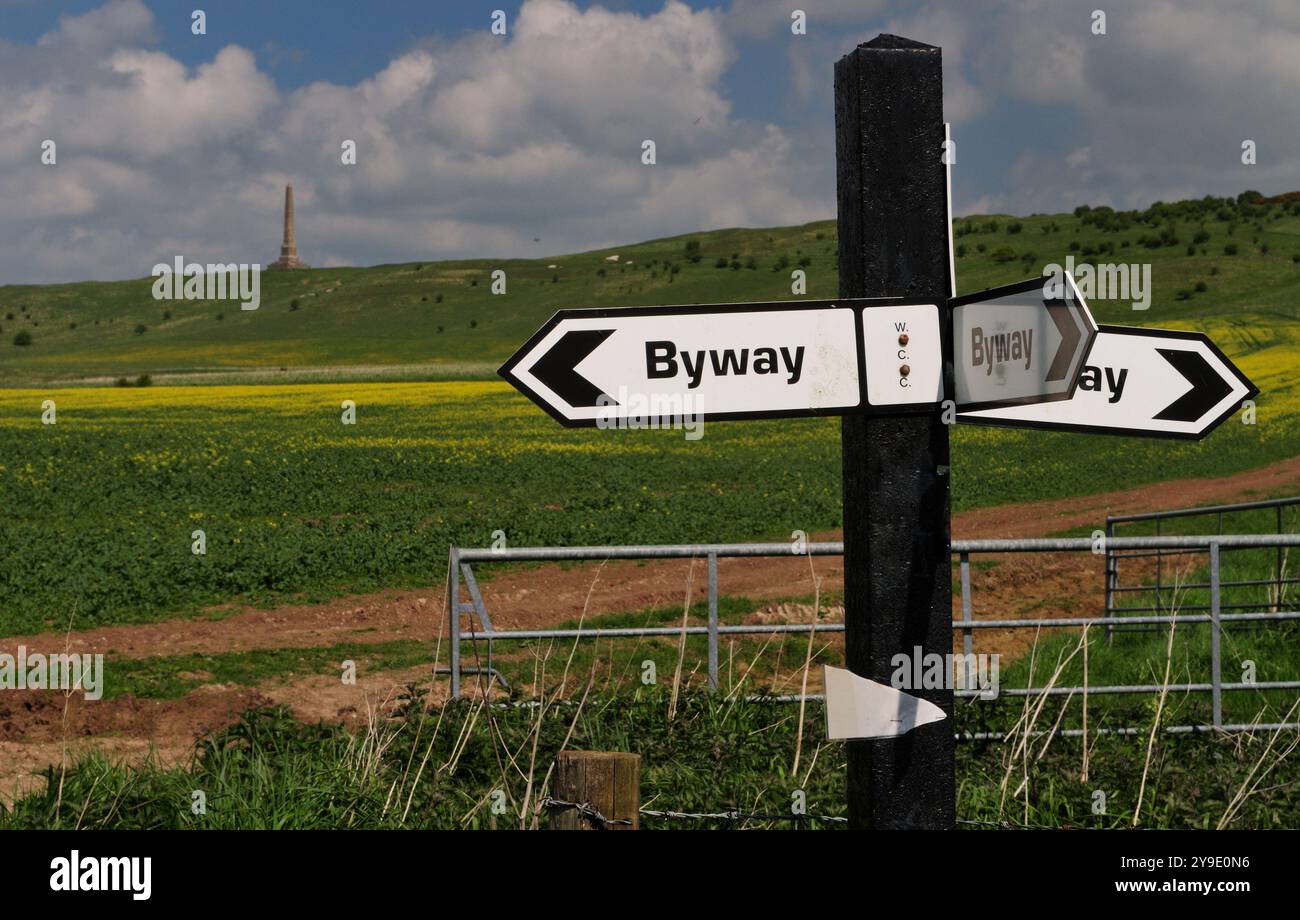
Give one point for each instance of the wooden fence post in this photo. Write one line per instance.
(609, 783)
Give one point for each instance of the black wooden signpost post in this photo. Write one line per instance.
(893, 239)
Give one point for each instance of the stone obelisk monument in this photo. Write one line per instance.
(289, 248)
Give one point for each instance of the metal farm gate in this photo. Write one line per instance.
(465, 601)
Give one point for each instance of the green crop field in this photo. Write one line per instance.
(101, 506)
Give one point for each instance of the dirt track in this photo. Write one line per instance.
(33, 724)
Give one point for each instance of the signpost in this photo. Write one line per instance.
(885, 357)
(1149, 382)
(729, 361)
(1020, 345)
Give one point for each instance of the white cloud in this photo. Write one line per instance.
(474, 146)
(114, 23)
(1160, 103)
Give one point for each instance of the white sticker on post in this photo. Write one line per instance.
(861, 708)
(903, 352)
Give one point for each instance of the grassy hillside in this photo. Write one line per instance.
(440, 319)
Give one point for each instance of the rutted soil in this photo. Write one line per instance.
(39, 728)
(34, 724)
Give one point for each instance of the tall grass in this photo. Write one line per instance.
(413, 766)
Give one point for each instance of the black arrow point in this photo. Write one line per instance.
(1070, 335)
(556, 367)
(1208, 387)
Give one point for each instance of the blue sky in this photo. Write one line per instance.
(471, 144)
(297, 42)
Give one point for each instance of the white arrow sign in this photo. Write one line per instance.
(861, 708)
(1020, 344)
(723, 361)
(1153, 382)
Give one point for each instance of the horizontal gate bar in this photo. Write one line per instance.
(1207, 509)
(758, 629)
(702, 550)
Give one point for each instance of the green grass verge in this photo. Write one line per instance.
(445, 769)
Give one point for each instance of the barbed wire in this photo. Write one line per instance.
(583, 808)
(739, 816)
(1017, 826)
(600, 821)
